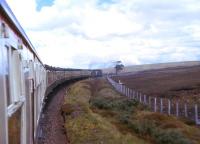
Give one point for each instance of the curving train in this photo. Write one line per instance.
(24, 81)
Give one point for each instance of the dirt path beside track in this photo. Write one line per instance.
(51, 130)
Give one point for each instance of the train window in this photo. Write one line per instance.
(9, 100)
(15, 76)
(4, 30)
(16, 72)
(21, 72)
(14, 127)
(20, 44)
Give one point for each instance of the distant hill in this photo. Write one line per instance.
(137, 68)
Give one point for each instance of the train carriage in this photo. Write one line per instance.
(22, 82)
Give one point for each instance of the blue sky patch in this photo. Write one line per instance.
(102, 2)
(42, 3)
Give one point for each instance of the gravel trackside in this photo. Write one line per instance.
(51, 130)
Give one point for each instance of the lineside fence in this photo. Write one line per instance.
(162, 105)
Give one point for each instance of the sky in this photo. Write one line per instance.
(96, 33)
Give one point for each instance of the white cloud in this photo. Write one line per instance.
(76, 33)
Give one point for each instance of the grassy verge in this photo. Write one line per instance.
(96, 114)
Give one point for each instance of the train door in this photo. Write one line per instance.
(16, 98)
(4, 93)
(32, 99)
(35, 95)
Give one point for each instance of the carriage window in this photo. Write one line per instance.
(16, 74)
(7, 77)
(14, 127)
(4, 31)
(13, 76)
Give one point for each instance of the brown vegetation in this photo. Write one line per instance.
(181, 83)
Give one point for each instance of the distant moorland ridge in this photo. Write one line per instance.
(137, 68)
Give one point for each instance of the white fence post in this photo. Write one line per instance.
(155, 106)
(126, 91)
(196, 114)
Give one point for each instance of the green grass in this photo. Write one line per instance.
(96, 114)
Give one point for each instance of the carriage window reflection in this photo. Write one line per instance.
(14, 127)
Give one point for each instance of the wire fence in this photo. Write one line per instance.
(162, 105)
